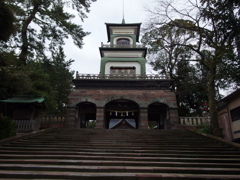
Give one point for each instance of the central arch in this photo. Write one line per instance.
(121, 114)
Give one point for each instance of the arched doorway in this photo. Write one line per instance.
(121, 114)
(86, 113)
(157, 116)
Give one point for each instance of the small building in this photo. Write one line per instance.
(229, 116)
(122, 95)
(22, 110)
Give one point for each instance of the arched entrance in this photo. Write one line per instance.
(121, 114)
(86, 113)
(157, 116)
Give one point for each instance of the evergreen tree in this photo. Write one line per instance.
(30, 61)
(7, 27)
(43, 25)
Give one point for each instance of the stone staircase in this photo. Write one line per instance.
(117, 154)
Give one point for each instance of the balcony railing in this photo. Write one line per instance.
(122, 46)
(122, 76)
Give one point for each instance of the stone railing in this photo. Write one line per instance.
(194, 121)
(26, 125)
(121, 76)
(51, 119)
(122, 46)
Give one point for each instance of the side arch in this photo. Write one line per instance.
(86, 112)
(158, 116)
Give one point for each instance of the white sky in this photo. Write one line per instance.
(87, 59)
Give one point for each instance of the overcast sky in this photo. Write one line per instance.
(87, 59)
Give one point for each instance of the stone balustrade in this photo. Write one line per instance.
(122, 76)
(26, 125)
(194, 121)
(51, 119)
(122, 46)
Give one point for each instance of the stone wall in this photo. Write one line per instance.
(101, 97)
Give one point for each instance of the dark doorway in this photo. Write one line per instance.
(121, 114)
(86, 113)
(157, 116)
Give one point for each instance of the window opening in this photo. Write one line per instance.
(123, 42)
(122, 70)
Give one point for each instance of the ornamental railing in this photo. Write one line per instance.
(194, 121)
(122, 76)
(122, 46)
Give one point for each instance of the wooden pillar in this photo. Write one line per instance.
(100, 118)
(143, 118)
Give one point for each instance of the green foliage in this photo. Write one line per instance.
(43, 25)
(53, 80)
(60, 78)
(14, 79)
(169, 55)
(152, 124)
(41, 86)
(225, 15)
(7, 127)
(207, 129)
(91, 124)
(214, 41)
(7, 27)
(204, 128)
(40, 68)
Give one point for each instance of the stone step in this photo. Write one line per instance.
(132, 154)
(121, 163)
(118, 154)
(113, 158)
(108, 150)
(123, 169)
(108, 176)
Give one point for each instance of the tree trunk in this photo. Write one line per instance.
(237, 42)
(25, 44)
(212, 105)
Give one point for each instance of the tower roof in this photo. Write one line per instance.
(135, 26)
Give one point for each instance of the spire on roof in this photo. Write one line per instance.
(123, 20)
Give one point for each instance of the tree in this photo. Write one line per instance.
(167, 55)
(52, 79)
(43, 25)
(60, 77)
(209, 47)
(226, 18)
(14, 80)
(32, 61)
(7, 27)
